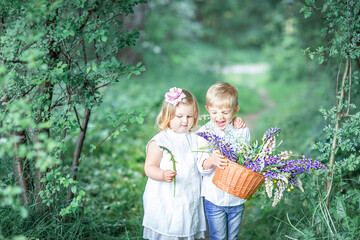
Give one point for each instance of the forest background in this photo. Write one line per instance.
(82, 83)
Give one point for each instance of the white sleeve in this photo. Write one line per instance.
(202, 155)
(247, 136)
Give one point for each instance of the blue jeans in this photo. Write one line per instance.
(224, 222)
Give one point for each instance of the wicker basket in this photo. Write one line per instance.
(238, 180)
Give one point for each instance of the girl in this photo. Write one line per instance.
(172, 204)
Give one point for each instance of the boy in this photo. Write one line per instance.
(223, 210)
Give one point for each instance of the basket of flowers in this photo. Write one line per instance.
(238, 180)
(252, 165)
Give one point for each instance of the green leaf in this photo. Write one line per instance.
(123, 128)
(23, 212)
(64, 211)
(307, 11)
(357, 8)
(104, 38)
(92, 147)
(340, 208)
(73, 189)
(309, 2)
(140, 120)
(342, 183)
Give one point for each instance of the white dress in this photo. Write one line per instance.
(181, 216)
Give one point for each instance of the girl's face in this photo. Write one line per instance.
(183, 119)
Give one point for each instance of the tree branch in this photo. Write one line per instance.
(77, 118)
(349, 90)
(336, 129)
(98, 145)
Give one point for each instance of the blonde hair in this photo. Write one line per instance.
(168, 111)
(222, 95)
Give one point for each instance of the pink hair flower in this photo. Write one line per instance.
(174, 96)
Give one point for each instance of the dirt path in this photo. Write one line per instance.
(246, 69)
(251, 118)
(252, 69)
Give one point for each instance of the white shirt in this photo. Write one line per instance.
(208, 189)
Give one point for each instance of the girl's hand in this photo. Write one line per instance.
(239, 123)
(218, 159)
(168, 175)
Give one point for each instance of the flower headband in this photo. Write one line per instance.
(174, 96)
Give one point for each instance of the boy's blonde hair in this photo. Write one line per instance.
(222, 95)
(168, 111)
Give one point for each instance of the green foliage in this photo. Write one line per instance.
(59, 59)
(298, 88)
(341, 25)
(55, 60)
(9, 198)
(114, 184)
(331, 214)
(234, 24)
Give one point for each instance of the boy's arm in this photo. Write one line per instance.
(206, 161)
(216, 159)
(238, 123)
(152, 164)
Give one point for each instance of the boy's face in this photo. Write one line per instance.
(221, 117)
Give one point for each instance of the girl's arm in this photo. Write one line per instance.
(152, 163)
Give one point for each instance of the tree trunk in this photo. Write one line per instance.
(46, 89)
(19, 169)
(78, 149)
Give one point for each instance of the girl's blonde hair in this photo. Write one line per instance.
(222, 95)
(168, 111)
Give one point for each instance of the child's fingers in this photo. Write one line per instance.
(169, 175)
(218, 154)
(239, 125)
(221, 163)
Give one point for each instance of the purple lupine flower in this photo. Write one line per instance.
(299, 166)
(295, 181)
(254, 165)
(275, 176)
(268, 163)
(271, 132)
(220, 144)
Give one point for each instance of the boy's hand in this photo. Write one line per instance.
(218, 159)
(168, 175)
(239, 123)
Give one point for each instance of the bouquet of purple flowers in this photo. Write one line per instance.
(277, 168)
